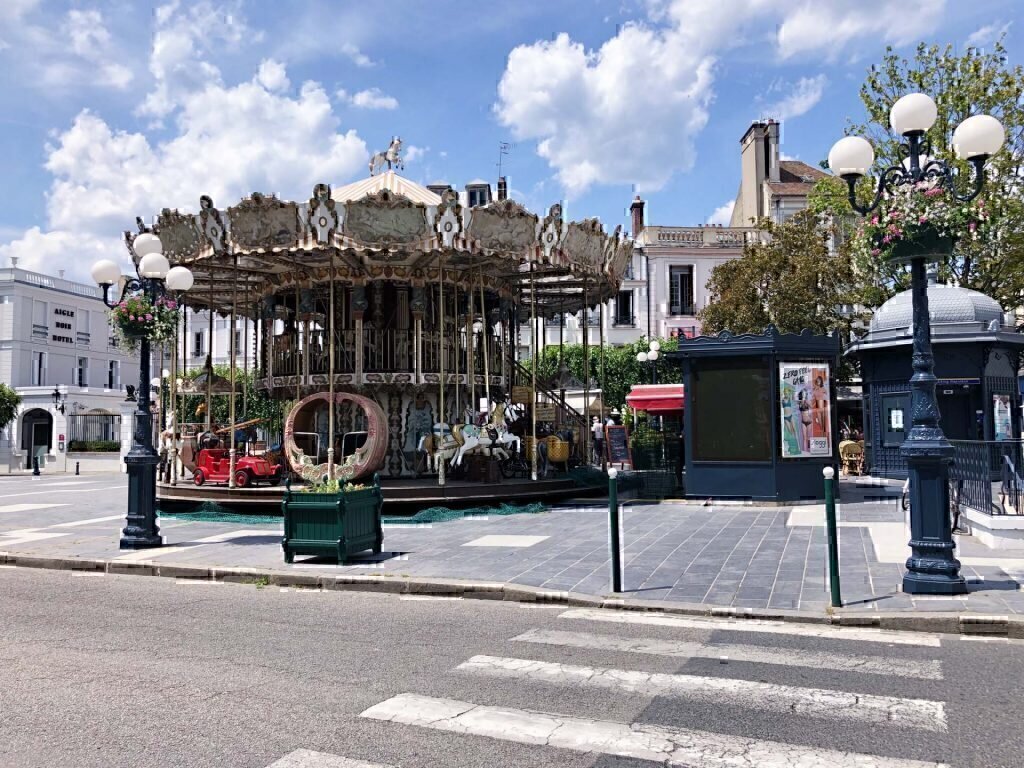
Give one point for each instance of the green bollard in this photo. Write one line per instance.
(833, 542)
(613, 529)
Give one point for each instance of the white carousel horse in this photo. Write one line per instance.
(392, 156)
(493, 436)
(440, 445)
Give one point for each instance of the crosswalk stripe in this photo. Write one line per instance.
(664, 745)
(307, 758)
(27, 537)
(28, 507)
(59, 490)
(90, 521)
(147, 554)
(876, 665)
(768, 697)
(863, 634)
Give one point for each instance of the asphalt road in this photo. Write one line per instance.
(129, 671)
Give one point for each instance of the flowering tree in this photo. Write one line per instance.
(9, 401)
(989, 232)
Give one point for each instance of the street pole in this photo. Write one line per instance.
(833, 539)
(613, 529)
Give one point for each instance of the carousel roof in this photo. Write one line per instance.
(388, 227)
(390, 181)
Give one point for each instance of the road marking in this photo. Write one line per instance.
(767, 697)
(505, 540)
(146, 554)
(28, 507)
(27, 537)
(659, 744)
(306, 758)
(861, 634)
(63, 490)
(875, 665)
(75, 523)
(429, 597)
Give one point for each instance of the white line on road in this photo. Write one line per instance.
(28, 507)
(27, 537)
(306, 758)
(875, 665)
(766, 697)
(144, 555)
(860, 634)
(62, 490)
(90, 521)
(659, 744)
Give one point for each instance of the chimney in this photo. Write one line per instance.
(502, 188)
(636, 215)
(772, 150)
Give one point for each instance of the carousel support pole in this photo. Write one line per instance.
(533, 372)
(209, 366)
(233, 368)
(561, 362)
(585, 437)
(471, 350)
(458, 344)
(487, 370)
(604, 384)
(298, 339)
(177, 408)
(441, 380)
(245, 354)
(357, 315)
(330, 380)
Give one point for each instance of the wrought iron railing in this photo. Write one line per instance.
(93, 427)
(388, 350)
(987, 474)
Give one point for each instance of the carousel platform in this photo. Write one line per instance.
(401, 495)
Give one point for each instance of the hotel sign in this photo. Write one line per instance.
(64, 324)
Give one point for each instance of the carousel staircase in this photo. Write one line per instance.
(566, 415)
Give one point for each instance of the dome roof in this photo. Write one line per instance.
(390, 181)
(947, 304)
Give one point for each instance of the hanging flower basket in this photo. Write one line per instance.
(920, 220)
(136, 317)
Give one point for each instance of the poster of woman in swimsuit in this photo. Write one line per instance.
(805, 411)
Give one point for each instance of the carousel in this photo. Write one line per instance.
(386, 320)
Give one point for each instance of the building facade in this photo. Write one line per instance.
(58, 353)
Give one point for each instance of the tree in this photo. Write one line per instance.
(789, 279)
(258, 404)
(973, 83)
(9, 402)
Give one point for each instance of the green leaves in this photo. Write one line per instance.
(9, 402)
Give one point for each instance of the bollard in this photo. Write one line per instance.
(35, 465)
(613, 529)
(833, 542)
(76, 468)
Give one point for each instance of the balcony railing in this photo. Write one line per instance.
(703, 237)
(682, 310)
(623, 320)
(388, 350)
(987, 475)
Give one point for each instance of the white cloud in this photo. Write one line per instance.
(802, 97)
(722, 214)
(828, 26)
(272, 75)
(373, 98)
(414, 153)
(985, 36)
(182, 46)
(358, 58)
(103, 177)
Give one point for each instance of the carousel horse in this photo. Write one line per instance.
(494, 437)
(442, 444)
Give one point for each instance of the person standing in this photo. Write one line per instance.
(598, 432)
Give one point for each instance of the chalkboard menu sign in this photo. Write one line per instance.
(617, 442)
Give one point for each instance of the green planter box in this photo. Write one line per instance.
(332, 525)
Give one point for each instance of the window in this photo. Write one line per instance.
(40, 324)
(82, 372)
(478, 194)
(238, 342)
(624, 308)
(197, 344)
(114, 375)
(38, 369)
(680, 290)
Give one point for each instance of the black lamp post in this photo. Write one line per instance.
(155, 278)
(58, 400)
(931, 568)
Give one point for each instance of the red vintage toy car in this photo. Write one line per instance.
(213, 465)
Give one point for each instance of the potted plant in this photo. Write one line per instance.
(920, 219)
(135, 317)
(332, 518)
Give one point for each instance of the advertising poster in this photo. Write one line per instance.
(1001, 417)
(806, 411)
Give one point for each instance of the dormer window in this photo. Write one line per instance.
(478, 194)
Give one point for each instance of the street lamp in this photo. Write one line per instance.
(931, 568)
(58, 400)
(155, 278)
(651, 356)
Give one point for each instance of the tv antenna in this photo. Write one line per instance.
(504, 147)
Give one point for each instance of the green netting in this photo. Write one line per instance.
(588, 477)
(210, 512)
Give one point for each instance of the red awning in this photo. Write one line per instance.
(656, 398)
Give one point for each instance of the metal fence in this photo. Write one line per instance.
(988, 475)
(93, 427)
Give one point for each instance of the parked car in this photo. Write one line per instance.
(213, 465)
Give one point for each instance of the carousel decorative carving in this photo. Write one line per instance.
(551, 233)
(448, 222)
(304, 417)
(179, 234)
(392, 156)
(263, 221)
(584, 244)
(385, 219)
(212, 225)
(503, 227)
(322, 214)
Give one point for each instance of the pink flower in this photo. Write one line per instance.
(972, 226)
(933, 192)
(887, 239)
(874, 221)
(922, 219)
(149, 317)
(171, 305)
(875, 251)
(131, 317)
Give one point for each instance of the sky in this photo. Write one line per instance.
(111, 109)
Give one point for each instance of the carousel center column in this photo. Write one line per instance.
(418, 305)
(359, 306)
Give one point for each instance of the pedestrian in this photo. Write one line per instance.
(598, 432)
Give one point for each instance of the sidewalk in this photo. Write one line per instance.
(734, 557)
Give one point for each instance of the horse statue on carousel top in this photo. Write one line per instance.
(392, 156)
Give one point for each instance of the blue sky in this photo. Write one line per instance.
(111, 109)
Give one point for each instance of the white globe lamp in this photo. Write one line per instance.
(105, 272)
(851, 156)
(641, 357)
(154, 265)
(655, 346)
(146, 243)
(180, 279)
(913, 114)
(652, 355)
(980, 137)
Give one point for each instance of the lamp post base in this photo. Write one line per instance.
(141, 531)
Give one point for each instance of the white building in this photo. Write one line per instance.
(57, 352)
(200, 341)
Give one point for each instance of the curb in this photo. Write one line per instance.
(983, 625)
